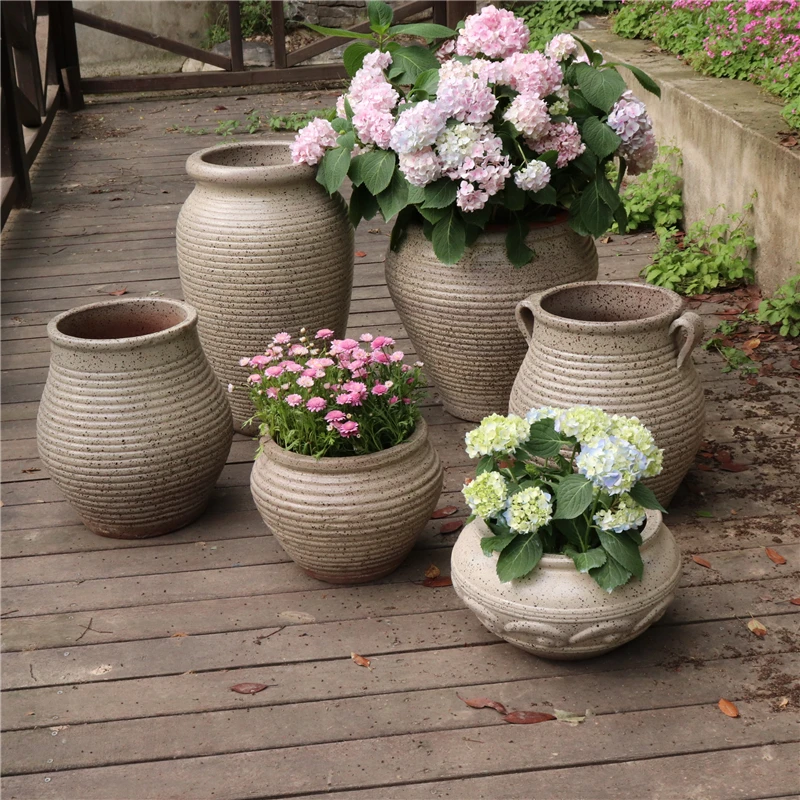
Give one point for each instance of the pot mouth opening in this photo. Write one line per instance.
(610, 303)
(248, 155)
(122, 320)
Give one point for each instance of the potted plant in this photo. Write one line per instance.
(345, 476)
(566, 554)
(493, 162)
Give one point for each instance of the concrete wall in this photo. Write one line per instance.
(727, 133)
(104, 54)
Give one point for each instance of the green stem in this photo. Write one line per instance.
(623, 166)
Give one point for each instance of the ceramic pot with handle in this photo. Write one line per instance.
(625, 347)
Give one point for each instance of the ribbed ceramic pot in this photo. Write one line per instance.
(557, 612)
(133, 426)
(348, 520)
(460, 318)
(625, 347)
(262, 248)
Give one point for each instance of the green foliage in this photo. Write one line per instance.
(227, 127)
(783, 308)
(546, 18)
(710, 255)
(653, 199)
(297, 119)
(256, 16)
(791, 113)
(735, 359)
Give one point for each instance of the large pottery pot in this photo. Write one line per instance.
(558, 612)
(133, 426)
(262, 248)
(461, 317)
(348, 520)
(625, 347)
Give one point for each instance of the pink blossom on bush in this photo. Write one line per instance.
(630, 121)
(533, 74)
(254, 378)
(382, 341)
(465, 98)
(495, 32)
(565, 138)
(529, 115)
(347, 429)
(311, 142)
(417, 127)
(294, 400)
(533, 177)
(335, 416)
(469, 198)
(274, 372)
(272, 392)
(420, 167)
(259, 361)
(393, 399)
(324, 333)
(379, 389)
(561, 46)
(305, 381)
(489, 71)
(445, 52)
(316, 404)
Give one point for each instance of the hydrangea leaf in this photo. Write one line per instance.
(408, 63)
(449, 238)
(354, 55)
(600, 139)
(573, 495)
(596, 215)
(610, 575)
(623, 550)
(490, 544)
(519, 557)
(441, 193)
(343, 32)
(601, 87)
(333, 168)
(426, 30)
(591, 559)
(375, 169)
(519, 254)
(645, 497)
(543, 440)
(380, 15)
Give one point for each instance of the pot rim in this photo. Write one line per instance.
(201, 170)
(57, 337)
(344, 464)
(674, 308)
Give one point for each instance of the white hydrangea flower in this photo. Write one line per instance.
(533, 177)
(457, 142)
(497, 435)
(585, 423)
(545, 412)
(626, 515)
(633, 431)
(487, 494)
(612, 464)
(528, 510)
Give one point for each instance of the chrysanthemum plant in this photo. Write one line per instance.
(320, 396)
(473, 130)
(564, 481)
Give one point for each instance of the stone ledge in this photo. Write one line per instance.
(727, 132)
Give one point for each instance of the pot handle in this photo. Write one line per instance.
(692, 326)
(525, 314)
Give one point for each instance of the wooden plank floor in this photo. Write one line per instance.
(119, 656)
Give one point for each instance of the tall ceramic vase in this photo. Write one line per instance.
(460, 318)
(262, 248)
(625, 347)
(133, 426)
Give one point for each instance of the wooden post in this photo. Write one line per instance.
(235, 29)
(458, 10)
(278, 35)
(66, 50)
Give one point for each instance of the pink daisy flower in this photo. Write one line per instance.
(294, 400)
(316, 404)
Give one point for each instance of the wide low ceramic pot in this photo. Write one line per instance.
(348, 520)
(460, 317)
(557, 612)
(262, 248)
(133, 426)
(625, 347)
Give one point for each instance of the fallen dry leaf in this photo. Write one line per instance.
(606, 239)
(733, 466)
(482, 702)
(783, 702)
(438, 583)
(569, 717)
(248, 688)
(119, 292)
(178, 635)
(452, 526)
(30, 470)
(757, 628)
(701, 561)
(795, 362)
(359, 254)
(751, 344)
(220, 108)
(728, 708)
(447, 511)
(723, 456)
(433, 571)
(527, 717)
(775, 556)
(795, 601)
(360, 660)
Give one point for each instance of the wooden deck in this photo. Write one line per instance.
(119, 656)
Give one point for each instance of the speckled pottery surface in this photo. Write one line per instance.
(557, 612)
(461, 317)
(352, 519)
(133, 426)
(262, 248)
(625, 347)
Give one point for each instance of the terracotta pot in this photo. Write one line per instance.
(262, 248)
(625, 347)
(461, 317)
(557, 612)
(133, 427)
(348, 520)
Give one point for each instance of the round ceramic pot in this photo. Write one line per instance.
(625, 347)
(348, 520)
(262, 248)
(557, 612)
(460, 318)
(133, 426)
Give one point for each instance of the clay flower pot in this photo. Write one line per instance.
(262, 248)
(625, 347)
(557, 612)
(460, 318)
(133, 427)
(352, 519)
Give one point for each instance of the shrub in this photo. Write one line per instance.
(783, 308)
(546, 18)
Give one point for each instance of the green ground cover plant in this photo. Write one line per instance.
(256, 17)
(546, 18)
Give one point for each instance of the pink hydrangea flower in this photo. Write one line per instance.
(529, 115)
(565, 138)
(316, 404)
(465, 98)
(324, 333)
(417, 127)
(469, 198)
(532, 73)
(490, 71)
(335, 416)
(445, 52)
(373, 125)
(311, 142)
(420, 167)
(630, 121)
(294, 400)
(561, 46)
(495, 32)
(347, 429)
(533, 177)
